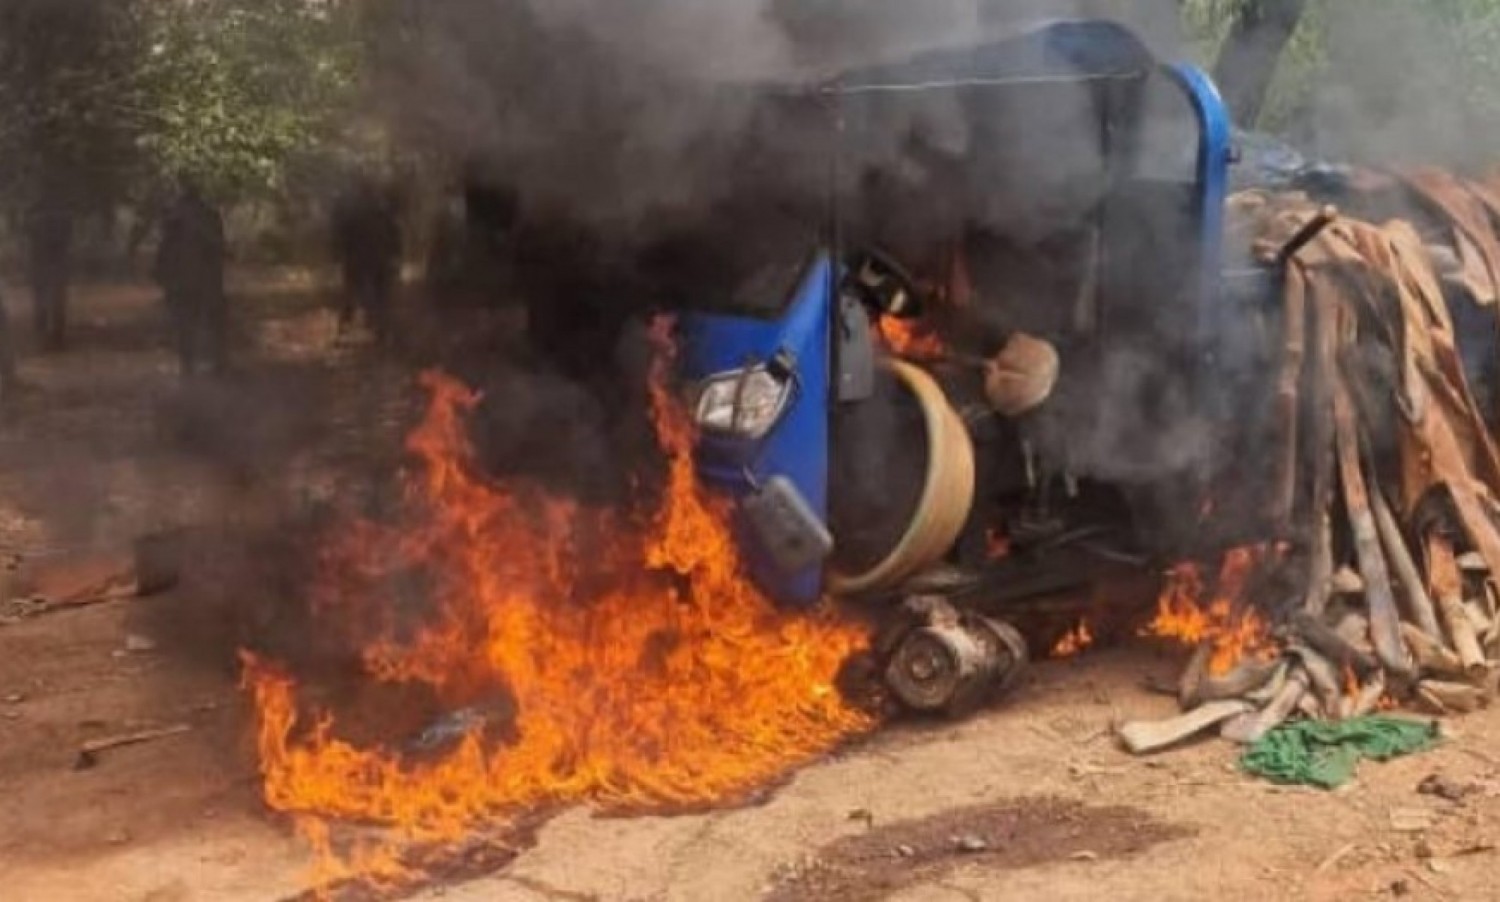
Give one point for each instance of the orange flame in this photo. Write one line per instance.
(910, 338)
(1074, 642)
(1233, 630)
(634, 664)
(996, 544)
(1351, 683)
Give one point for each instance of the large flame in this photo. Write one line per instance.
(634, 664)
(1194, 612)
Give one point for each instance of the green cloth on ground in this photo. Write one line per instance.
(1324, 753)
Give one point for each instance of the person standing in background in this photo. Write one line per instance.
(49, 231)
(367, 242)
(190, 270)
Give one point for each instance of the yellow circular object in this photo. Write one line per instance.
(947, 491)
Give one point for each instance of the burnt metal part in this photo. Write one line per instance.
(943, 579)
(885, 285)
(952, 662)
(449, 730)
(855, 352)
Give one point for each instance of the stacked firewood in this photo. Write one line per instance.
(1387, 474)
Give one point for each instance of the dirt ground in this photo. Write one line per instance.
(1031, 800)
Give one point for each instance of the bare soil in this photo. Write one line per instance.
(1029, 800)
(995, 836)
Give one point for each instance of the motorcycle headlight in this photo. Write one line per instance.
(743, 403)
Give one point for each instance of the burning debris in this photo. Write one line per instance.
(595, 655)
(1074, 642)
(911, 339)
(1387, 472)
(1217, 618)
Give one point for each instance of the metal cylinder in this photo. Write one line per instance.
(954, 663)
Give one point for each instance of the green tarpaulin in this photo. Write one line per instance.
(1325, 753)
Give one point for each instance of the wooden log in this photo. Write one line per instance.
(1322, 373)
(1492, 605)
(1327, 642)
(1319, 566)
(1369, 696)
(1354, 627)
(1418, 602)
(1446, 588)
(1248, 728)
(1288, 402)
(1144, 737)
(1322, 676)
(1262, 696)
(1465, 637)
(1450, 472)
(1479, 619)
(1432, 656)
(1385, 622)
(1346, 582)
(1192, 677)
(89, 751)
(1472, 562)
(1447, 697)
(1244, 678)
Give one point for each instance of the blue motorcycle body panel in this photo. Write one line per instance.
(797, 447)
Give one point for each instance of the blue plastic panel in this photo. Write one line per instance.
(797, 447)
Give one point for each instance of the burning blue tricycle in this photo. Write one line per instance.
(990, 354)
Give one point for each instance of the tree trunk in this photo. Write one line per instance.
(1247, 62)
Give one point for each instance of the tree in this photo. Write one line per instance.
(1247, 62)
(231, 91)
(65, 66)
(65, 139)
(108, 101)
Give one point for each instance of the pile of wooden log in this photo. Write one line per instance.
(1387, 481)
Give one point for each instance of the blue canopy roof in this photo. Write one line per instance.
(1055, 51)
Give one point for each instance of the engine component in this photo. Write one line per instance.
(950, 661)
(885, 286)
(1022, 376)
(855, 351)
